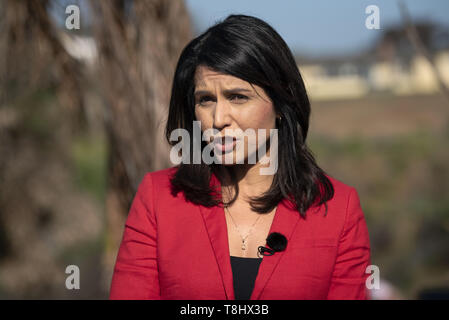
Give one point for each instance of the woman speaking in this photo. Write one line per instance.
(246, 213)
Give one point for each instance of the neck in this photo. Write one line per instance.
(251, 183)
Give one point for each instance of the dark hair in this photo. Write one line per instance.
(248, 48)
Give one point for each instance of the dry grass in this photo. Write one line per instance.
(394, 150)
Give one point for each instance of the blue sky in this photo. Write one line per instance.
(319, 27)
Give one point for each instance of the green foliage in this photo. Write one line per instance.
(38, 114)
(403, 183)
(89, 154)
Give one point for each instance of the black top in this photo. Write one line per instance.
(244, 274)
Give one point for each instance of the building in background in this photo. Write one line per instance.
(391, 66)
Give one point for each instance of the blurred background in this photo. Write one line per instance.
(82, 114)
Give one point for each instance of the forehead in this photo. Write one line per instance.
(205, 76)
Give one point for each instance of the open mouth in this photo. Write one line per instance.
(224, 144)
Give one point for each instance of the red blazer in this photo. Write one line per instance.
(175, 250)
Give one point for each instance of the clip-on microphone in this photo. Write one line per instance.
(276, 242)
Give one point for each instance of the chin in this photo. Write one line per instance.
(230, 163)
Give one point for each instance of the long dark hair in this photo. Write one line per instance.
(248, 48)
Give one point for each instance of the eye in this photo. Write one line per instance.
(238, 98)
(204, 99)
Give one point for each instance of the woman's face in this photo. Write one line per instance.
(229, 104)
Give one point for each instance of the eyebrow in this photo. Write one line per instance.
(227, 91)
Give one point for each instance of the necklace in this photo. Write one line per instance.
(243, 238)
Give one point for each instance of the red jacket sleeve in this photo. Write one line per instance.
(136, 272)
(353, 257)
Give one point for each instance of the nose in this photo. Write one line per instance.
(222, 117)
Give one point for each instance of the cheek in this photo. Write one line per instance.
(262, 117)
(204, 117)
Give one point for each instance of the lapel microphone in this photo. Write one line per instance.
(276, 242)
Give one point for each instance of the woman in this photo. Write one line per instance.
(228, 229)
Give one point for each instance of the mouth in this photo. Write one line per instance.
(225, 144)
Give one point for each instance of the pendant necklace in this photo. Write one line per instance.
(249, 232)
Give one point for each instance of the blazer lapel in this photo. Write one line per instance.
(284, 222)
(215, 222)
